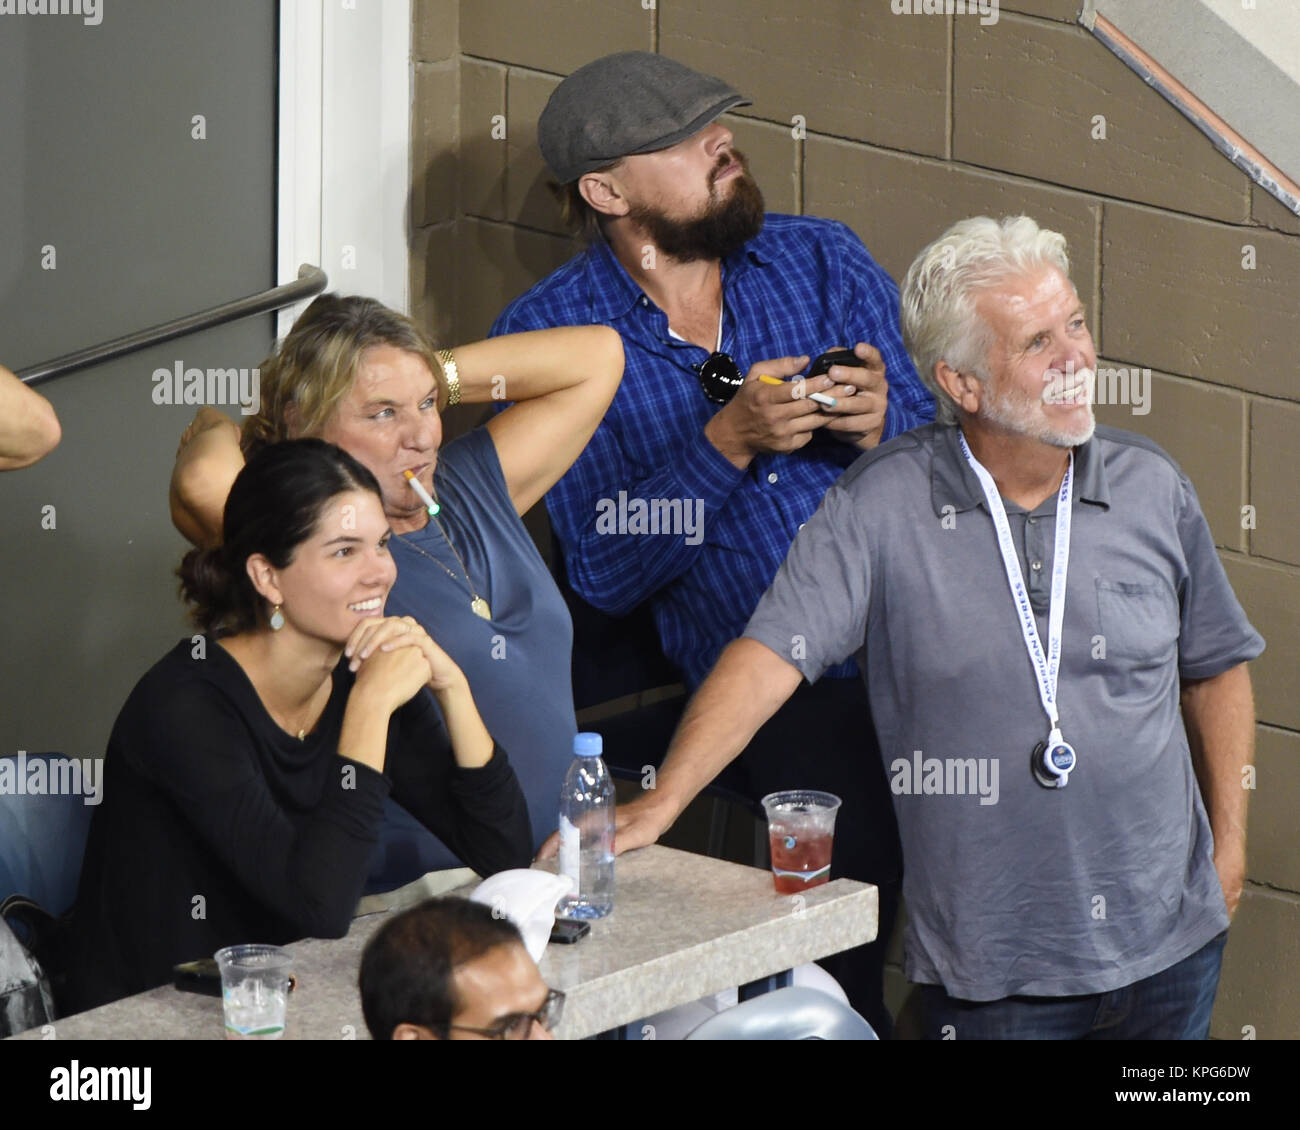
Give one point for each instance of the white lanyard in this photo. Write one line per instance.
(1046, 667)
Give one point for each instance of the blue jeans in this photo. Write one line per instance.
(1174, 1004)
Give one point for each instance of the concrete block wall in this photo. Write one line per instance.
(910, 122)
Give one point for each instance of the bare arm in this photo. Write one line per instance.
(207, 463)
(561, 382)
(471, 743)
(1220, 717)
(29, 429)
(364, 734)
(747, 685)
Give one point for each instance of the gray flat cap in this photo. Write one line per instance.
(631, 102)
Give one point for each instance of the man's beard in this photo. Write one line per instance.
(1024, 418)
(724, 228)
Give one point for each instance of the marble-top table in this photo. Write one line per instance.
(683, 926)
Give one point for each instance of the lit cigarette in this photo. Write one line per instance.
(424, 495)
(817, 397)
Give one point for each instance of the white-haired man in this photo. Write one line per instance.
(1054, 659)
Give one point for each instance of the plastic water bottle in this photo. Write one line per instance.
(587, 832)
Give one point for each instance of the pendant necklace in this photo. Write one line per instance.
(302, 731)
(477, 603)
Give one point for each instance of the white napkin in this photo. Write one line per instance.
(528, 899)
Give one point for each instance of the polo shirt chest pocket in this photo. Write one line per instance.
(1138, 620)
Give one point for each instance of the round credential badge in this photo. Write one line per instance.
(1053, 763)
(1062, 757)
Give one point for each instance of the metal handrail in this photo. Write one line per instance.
(310, 281)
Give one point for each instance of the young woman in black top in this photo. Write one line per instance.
(245, 776)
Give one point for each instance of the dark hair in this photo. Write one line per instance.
(406, 969)
(273, 507)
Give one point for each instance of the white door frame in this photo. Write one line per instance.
(344, 159)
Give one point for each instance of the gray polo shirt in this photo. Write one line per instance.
(1012, 888)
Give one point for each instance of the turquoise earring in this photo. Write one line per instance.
(277, 619)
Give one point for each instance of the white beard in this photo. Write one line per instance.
(1024, 417)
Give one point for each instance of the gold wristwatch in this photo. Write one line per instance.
(453, 376)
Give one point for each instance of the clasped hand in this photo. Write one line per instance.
(396, 653)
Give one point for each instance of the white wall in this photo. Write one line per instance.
(345, 154)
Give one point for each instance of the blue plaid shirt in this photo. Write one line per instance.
(802, 286)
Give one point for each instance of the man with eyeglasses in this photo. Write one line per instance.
(709, 295)
(449, 969)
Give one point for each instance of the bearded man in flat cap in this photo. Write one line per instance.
(710, 295)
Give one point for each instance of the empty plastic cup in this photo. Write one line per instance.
(254, 990)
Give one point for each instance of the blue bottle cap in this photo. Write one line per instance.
(587, 745)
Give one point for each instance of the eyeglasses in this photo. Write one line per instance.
(720, 377)
(517, 1025)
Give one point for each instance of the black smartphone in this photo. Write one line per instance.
(201, 976)
(204, 976)
(822, 365)
(566, 931)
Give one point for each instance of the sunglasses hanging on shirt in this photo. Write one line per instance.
(720, 377)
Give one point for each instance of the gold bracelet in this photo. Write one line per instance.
(453, 376)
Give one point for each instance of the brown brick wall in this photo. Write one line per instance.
(1201, 426)
(1259, 994)
(1067, 10)
(1181, 297)
(898, 203)
(552, 35)
(911, 123)
(1015, 109)
(849, 70)
(435, 141)
(1275, 475)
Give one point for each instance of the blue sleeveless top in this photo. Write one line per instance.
(517, 663)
